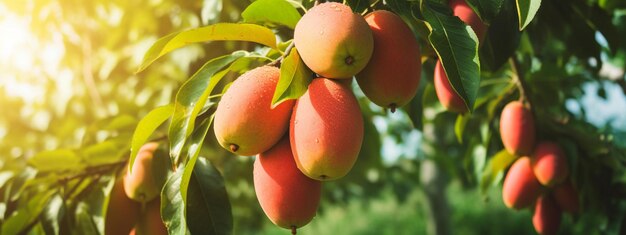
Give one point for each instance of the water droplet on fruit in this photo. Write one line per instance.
(317, 140)
(321, 32)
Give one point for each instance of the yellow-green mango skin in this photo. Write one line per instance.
(140, 184)
(245, 122)
(326, 130)
(392, 76)
(333, 41)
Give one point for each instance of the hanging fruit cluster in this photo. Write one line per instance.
(317, 137)
(539, 179)
(135, 203)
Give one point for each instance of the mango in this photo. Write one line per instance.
(547, 216)
(447, 96)
(520, 188)
(467, 15)
(326, 130)
(567, 197)
(245, 122)
(392, 76)
(333, 41)
(122, 212)
(288, 197)
(141, 184)
(150, 222)
(549, 164)
(517, 129)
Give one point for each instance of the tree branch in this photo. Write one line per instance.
(92, 171)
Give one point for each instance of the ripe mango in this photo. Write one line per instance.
(567, 197)
(333, 41)
(150, 222)
(326, 130)
(122, 212)
(392, 76)
(520, 188)
(549, 164)
(288, 197)
(445, 93)
(517, 129)
(142, 184)
(467, 15)
(245, 122)
(547, 216)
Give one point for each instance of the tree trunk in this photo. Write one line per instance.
(436, 203)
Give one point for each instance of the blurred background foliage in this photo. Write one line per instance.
(68, 89)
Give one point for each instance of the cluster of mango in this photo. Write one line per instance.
(134, 204)
(317, 137)
(538, 179)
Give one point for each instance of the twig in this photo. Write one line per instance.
(90, 171)
(277, 62)
(518, 79)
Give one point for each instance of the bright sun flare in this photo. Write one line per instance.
(20, 53)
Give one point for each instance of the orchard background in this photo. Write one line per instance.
(83, 83)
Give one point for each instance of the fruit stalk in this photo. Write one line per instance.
(518, 79)
(276, 63)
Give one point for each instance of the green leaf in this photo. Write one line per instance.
(502, 39)
(5, 176)
(459, 126)
(195, 144)
(198, 192)
(191, 98)
(457, 47)
(601, 21)
(294, 79)
(17, 185)
(85, 223)
(358, 6)
(121, 122)
(52, 215)
(208, 207)
(415, 109)
(495, 169)
(216, 32)
(56, 160)
(271, 12)
(487, 10)
(173, 206)
(526, 11)
(109, 151)
(146, 127)
(26, 214)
